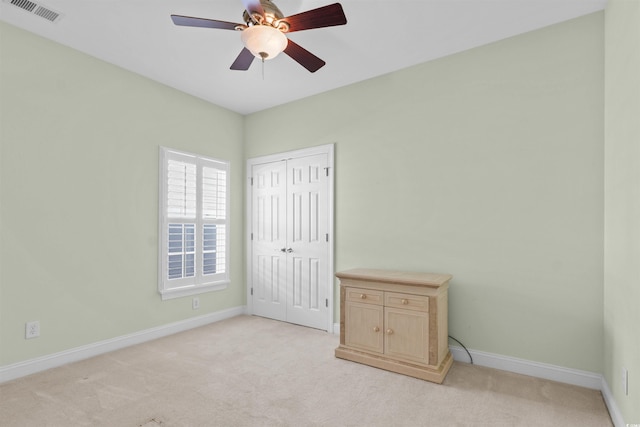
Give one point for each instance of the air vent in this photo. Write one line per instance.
(36, 9)
(24, 4)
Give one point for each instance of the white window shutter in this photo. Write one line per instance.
(193, 224)
(181, 189)
(214, 193)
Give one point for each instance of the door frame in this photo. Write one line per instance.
(327, 149)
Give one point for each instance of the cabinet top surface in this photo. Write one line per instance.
(392, 276)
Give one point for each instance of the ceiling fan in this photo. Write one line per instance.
(263, 32)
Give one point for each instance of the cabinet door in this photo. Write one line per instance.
(364, 327)
(406, 334)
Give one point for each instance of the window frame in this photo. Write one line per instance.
(199, 283)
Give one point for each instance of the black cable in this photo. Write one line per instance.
(465, 348)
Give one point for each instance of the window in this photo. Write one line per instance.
(194, 243)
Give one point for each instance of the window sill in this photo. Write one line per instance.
(193, 290)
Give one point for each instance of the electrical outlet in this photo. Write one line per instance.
(625, 381)
(32, 329)
(195, 303)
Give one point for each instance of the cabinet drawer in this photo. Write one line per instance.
(366, 296)
(408, 301)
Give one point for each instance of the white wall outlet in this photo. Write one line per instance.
(195, 303)
(32, 329)
(625, 381)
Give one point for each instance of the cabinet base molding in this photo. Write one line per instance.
(428, 373)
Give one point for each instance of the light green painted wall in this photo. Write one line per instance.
(622, 203)
(79, 185)
(487, 165)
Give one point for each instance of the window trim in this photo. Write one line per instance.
(200, 283)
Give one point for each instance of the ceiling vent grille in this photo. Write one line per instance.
(24, 4)
(47, 13)
(36, 9)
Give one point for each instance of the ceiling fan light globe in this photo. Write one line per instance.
(264, 41)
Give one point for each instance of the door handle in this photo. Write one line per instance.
(289, 250)
(283, 250)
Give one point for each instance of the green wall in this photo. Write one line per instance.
(487, 165)
(622, 203)
(79, 185)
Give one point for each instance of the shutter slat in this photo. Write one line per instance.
(181, 189)
(214, 193)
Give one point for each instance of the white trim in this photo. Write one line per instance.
(28, 367)
(528, 367)
(612, 406)
(544, 370)
(330, 149)
(303, 152)
(327, 149)
(193, 290)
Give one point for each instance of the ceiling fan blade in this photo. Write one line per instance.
(189, 21)
(303, 57)
(253, 6)
(243, 61)
(326, 16)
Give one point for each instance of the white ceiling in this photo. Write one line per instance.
(380, 37)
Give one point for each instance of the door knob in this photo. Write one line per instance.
(283, 250)
(389, 331)
(289, 250)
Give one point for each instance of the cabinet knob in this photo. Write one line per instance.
(389, 331)
(376, 329)
(363, 296)
(405, 301)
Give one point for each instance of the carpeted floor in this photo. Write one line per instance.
(249, 371)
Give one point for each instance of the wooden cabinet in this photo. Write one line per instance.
(395, 321)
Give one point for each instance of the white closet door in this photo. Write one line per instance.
(269, 219)
(290, 240)
(307, 228)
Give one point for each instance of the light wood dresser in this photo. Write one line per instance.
(396, 321)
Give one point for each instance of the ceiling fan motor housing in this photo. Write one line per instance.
(271, 16)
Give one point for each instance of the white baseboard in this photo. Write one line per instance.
(614, 411)
(527, 367)
(28, 367)
(546, 371)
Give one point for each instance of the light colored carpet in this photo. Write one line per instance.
(249, 371)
